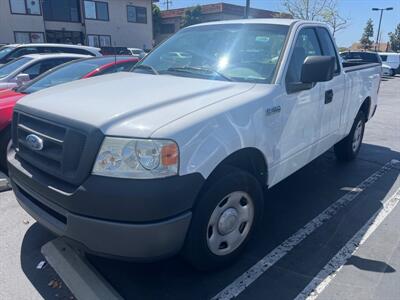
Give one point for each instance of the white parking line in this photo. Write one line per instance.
(326, 275)
(248, 277)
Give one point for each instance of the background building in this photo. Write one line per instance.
(381, 47)
(125, 23)
(171, 19)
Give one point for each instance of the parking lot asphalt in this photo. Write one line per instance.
(330, 231)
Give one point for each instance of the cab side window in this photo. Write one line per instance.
(328, 47)
(306, 45)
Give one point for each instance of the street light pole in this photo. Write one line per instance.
(247, 9)
(380, 22)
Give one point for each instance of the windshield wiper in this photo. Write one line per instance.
(146, 67)
(189, 69)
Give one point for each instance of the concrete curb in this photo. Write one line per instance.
(83, 280)
(4, 185)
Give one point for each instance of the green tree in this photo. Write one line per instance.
(368, 33)
(192, 16)
(395, 39)
(156, 19)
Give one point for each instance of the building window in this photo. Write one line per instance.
(28, 37)
(137, 14)
(96, 40)
(167, 28)
(64, 37)
(25, 7)
(61, 10)
(96, 10)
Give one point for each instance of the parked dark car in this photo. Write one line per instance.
(360, 57)
(115, 51)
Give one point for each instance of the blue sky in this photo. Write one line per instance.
(358, 11)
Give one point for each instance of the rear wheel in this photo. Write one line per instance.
(5, 137)
(348, 148)
(224, 219)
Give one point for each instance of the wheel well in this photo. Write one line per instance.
(248, 159)
(4, 131)
(365, 107)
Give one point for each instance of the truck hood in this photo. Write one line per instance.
(131, 104)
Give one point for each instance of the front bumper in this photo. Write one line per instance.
(123, 223)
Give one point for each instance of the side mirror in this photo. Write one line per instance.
(22, 78)
(317, 69)
(314, 69)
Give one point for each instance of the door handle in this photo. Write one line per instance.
(328, 96)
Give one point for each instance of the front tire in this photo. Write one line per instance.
(224, 218)
(348, 148)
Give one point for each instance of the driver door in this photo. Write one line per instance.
(301, 111)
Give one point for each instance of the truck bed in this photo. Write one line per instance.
(354, 66)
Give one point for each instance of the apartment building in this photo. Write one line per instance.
(100, 23)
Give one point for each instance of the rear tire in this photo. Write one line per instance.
(224, 219)
(348, 148)
(5, 138)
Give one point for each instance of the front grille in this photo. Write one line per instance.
(63, 147)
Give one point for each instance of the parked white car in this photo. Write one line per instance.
(137, 52)
(175, 156)
(13, 51)
(28, 67)
(392, 60)
(387, 70)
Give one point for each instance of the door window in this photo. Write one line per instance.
(328, 47)
(306, 45)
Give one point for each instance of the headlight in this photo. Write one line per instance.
(137, 158)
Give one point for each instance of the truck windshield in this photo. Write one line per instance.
(234, 52)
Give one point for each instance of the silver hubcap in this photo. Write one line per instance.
(230, 223)
(357, 136)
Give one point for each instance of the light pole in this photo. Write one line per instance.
(380, 21)
(247, 9)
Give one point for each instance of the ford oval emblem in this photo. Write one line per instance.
(34, 142)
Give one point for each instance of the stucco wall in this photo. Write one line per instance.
(122, 32)
(11, 22)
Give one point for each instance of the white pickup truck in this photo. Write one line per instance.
(174, 156)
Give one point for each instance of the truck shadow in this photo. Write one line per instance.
(289, 206)
(35, 237)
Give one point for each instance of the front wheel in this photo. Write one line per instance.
(224, 219)
(348, 148)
